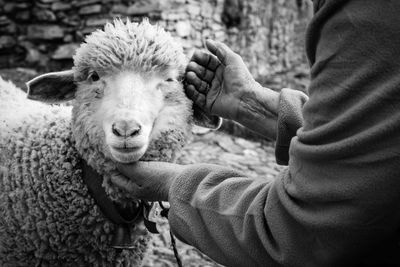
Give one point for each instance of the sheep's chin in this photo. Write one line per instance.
(127, 157)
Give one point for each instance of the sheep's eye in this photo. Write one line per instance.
(94, 76)
(170, 80)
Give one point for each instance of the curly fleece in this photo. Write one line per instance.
(47, 217)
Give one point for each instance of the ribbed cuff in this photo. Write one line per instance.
(290, 119)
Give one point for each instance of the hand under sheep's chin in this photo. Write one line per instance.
(127, 155)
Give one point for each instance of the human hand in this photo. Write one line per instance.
(218, 82)
(148, 180)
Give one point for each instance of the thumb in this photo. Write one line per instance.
(149, 180)
(136, 172)
(142, 172)
(222, 51)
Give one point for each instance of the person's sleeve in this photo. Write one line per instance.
(337, 203)
(290, 119)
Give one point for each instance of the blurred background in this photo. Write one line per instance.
(43, 34)
(38, 36)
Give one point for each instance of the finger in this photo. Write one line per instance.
(133, 189)
(125, 183)
(222, 51)
(136, 172)
(190, 90)
(148, 180)
(206, 74)
(205, 59)
(198, 98)
(200, 85)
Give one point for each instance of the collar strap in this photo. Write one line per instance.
(123, 218)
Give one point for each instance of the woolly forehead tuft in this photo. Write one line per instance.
(128, 45)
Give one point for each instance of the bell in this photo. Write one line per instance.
(122, 237)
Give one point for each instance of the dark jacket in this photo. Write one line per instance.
(338, 201)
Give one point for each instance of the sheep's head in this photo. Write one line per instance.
(126, 86)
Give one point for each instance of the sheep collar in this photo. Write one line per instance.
(123, 218)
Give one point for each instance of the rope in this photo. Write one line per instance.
(164, 213)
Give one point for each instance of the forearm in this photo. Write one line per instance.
(276, 116)
(258, 110)
(224, 225)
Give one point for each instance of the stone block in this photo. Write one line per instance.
(10, 28)
(44, 14)
(173, 16)
(23, 15)
(139, 10)
(88, 30)
(65, 51)
(73, 20)
(48, 1)
(42, 5)
(85, 2)
(7, 41)
(119, 9)
(9, 7)
(88, 10)
(183, 28)
(193, 10)
(60, 6)
(135, 9)
(68, 38)
(33, 55)
(96, 22)
(23, 5)
(47, 32)
(4, 20)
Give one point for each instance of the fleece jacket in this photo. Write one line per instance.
(337, 203)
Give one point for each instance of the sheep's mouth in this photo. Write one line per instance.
(127, 154)
(126, 149)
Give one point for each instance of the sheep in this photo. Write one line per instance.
(128, 104)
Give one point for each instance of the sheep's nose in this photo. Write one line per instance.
(126, 128)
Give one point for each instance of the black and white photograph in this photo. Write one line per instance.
(163, 133)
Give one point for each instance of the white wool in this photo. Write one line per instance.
(17, 110)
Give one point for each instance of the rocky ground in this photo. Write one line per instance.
(254, 158)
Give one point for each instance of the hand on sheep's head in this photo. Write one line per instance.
(221, 85)
(217, 82)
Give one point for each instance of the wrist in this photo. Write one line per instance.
(258, 110)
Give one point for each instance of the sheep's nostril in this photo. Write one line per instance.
(134, 130)
(125, 129)
(117, 131)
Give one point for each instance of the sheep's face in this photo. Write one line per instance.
(128, 108)
(126, 90)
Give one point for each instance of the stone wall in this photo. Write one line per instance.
(45, 33)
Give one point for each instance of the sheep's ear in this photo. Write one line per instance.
(204, 119)
(53, 87)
